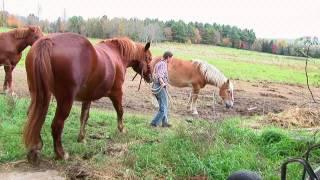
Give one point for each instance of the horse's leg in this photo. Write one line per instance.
(33, 155)
(62, 112)
(195, 92)
(117, 104)
(7, 85)
(190, 102)
(195, 111)
(11, 82)
(83, 120)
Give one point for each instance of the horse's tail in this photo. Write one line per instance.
(40, 81)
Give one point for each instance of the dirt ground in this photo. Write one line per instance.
(251, 98)
(48, 174)
(21, 170)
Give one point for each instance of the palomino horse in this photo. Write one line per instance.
(71, 68)
(197, 74)
(12, 44)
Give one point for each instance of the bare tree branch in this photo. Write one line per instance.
(306, 71)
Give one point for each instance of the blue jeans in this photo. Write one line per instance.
(162, 99)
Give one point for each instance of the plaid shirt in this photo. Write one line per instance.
(161, 71)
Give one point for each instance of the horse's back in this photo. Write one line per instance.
(183, 73)
(67, 46)
(72, 58)
(72, 47)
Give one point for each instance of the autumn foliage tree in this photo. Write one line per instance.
(156, 31)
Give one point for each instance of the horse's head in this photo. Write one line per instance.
(136, 55)
(34, 33)
(226, 93)
(142, 65)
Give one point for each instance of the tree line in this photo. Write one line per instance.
(155, 30)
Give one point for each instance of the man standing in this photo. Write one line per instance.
(160, 82)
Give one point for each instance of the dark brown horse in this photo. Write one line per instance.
(71, 68)
(12, 44)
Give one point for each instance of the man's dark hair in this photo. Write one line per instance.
(167, 54)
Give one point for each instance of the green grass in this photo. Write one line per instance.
(4, 29)
(189, 149)
(247, 65)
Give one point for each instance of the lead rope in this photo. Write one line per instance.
(140, 79)
(171, 101)
(156, 91)
(135, 76)
(148, 67)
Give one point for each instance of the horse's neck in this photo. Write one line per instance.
(107, 48)
(127, 63)
(21, 44)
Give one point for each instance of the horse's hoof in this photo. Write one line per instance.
(34, 157)
(14, 95)
(64, 157)
(122, 130)
(8, 92)
(81, 139)
(195, 113)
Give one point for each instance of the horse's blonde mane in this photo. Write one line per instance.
(211, 74)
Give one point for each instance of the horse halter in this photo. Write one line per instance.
(148, 72)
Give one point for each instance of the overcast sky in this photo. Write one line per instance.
(268, 18)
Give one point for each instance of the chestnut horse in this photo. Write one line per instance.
(12, 44)
(70, 68)
(197, 74)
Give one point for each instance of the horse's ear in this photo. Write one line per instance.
(146, 48)
(228, 82)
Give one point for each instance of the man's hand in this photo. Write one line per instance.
(162, 83)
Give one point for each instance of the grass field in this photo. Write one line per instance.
(192, 149)
(247, 65)
(240, 64)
